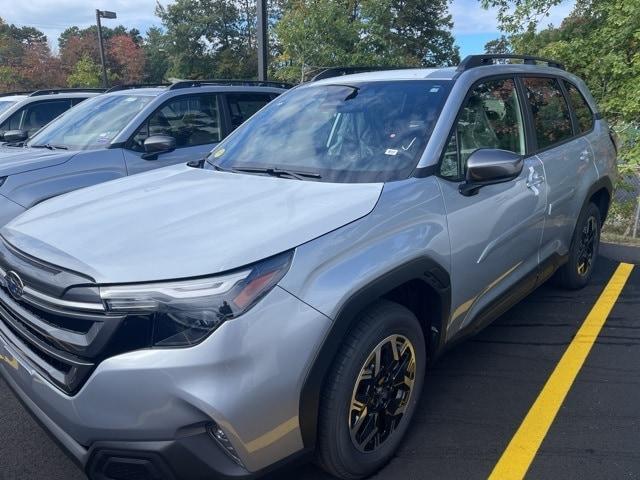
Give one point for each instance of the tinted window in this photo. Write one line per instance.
(191, 120)
(13, 122)
(490, 118)
(39, 114)
(360, 132)
(244, 105)
(581, 108)
(93, 123)
(551, 118)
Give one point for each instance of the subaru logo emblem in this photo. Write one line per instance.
(14, 284)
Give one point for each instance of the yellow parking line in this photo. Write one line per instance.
(522, 448)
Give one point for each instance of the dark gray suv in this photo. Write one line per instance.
(286, 299)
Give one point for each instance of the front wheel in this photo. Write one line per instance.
(577, 272)
(372, 392)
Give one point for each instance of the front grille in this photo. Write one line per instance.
(58, 321)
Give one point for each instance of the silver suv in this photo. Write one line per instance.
(23, 113)
(286, 298)
(129, 129)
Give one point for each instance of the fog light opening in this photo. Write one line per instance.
(221, 439)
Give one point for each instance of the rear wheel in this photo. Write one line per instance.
(372, 392)
(577, 272)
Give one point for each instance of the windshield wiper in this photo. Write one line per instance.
(279, 172)
(50, 146)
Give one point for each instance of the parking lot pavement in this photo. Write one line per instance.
(474, 400)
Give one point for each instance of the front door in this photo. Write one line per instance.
(495, 234)
(195, 121)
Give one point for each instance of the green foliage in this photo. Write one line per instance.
(85, 73)
(317, 34)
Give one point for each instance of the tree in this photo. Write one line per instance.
(85, 73)
(127, 59)
(498, 46)
(155, 48)
(364, 32)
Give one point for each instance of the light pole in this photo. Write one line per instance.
(103, 14)
(263, 42)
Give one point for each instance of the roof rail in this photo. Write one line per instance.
(330, 72)
(473, 61)
(22, 92)
(53, 91)
(131, 86)
(227, 82)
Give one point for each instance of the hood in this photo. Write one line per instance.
(15, 160)
(180, 222)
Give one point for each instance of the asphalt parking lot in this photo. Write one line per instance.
(475, 399)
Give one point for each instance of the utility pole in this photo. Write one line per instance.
(263, 42)
(103, 14)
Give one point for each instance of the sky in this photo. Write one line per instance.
(473, 26)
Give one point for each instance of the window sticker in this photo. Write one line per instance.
(218, 153)
(391, 151)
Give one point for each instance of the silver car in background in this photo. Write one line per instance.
(285, 299)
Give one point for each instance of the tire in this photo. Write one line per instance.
(381, 325)
(577, 272)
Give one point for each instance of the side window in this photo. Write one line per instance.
(490, 118)
(580, 107)
(13, 122)
(39, 114)
(551, 118)
(76, 101)
(243, 105)
(191, 120)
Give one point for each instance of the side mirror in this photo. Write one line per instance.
(15, 136)
(489, 166)
(157, 144)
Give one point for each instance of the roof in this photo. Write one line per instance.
(444, 73)
(13, 98)
(155, 91)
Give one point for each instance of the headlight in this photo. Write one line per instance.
(185, 312)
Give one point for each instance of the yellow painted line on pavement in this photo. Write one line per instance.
(524, 445)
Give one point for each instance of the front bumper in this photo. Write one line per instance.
(154, 405)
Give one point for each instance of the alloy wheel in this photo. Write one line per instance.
(382, 392)
(587, 246)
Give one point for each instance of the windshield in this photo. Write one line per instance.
(4, 104)
(93, 123)
(362, 132)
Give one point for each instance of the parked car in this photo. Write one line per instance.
(125, 131)
(23, 113)
(287, 298)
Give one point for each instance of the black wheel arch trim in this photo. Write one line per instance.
(424, 269)
(603, 182)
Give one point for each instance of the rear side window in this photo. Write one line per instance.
(490, 118)
(580, 107)
(191, 120)
(551, 117)
(41, 113)
(243, 105)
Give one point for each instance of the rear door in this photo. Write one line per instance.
(195, 121)
(566, 156)
(495, 234)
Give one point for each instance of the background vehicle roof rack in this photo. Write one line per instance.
(53, 91)
(22, 92)
(227, 82)
(330, 72)
(473, 61)
(131, 86)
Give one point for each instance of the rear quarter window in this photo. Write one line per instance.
(551, 117)
(581, 109)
